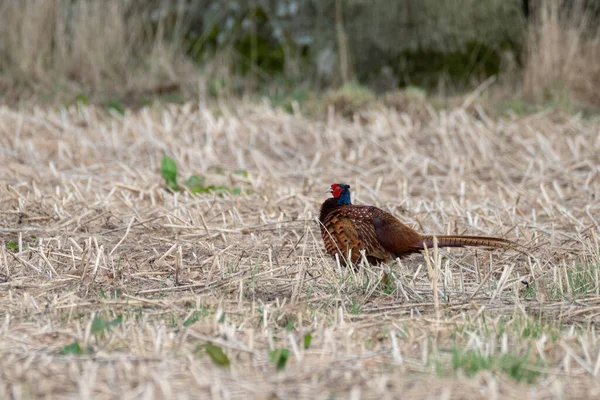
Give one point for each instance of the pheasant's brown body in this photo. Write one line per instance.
(349, 229)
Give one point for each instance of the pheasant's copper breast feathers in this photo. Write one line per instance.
(340, 235)
(382, 237)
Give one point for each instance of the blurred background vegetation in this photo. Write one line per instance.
(345, 53)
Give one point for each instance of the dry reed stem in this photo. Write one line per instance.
(563, 53)
(52, 48)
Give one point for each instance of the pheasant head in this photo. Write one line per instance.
(341, 193)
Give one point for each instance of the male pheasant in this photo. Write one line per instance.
(348, 229)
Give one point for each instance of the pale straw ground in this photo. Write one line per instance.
(91, 236)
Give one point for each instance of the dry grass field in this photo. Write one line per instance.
(113, 286)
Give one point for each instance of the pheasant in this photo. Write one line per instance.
(348, 229)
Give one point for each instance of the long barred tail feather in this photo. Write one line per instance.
(461, 241)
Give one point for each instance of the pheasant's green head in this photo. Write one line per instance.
(341, 192)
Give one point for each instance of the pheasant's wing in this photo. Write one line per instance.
(395, 237)
(361, 218)
(340, 235)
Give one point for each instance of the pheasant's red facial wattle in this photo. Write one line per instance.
(336, 190)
